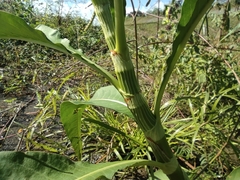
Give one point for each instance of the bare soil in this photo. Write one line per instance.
(14, 118)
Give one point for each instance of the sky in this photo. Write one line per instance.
(142, 5)
(82, 8)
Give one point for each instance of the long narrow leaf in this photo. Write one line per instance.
(232, 31)
(13, 27)
(110, 128)
(192, 12)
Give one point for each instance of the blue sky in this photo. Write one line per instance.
(142, 4)
(82, 8)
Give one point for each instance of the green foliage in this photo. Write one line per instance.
(234, 175)
(73, 112)
(32, 57)
(199, 115)
(19, 8)
(107, 97)
(39, 165)
(187, 24)
(18, 29)
(197, 88)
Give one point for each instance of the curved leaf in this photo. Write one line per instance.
(160, 175)
(192, 12)
(108, 97)
(13, 27)
(71, 113)
(234, 175)
(40, 165)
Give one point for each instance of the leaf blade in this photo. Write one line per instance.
(41, 165)
(192, 12)
(16, 28)
(234, 175)
(108, 97)
(71, 114)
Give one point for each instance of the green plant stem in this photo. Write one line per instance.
(130, 90)
(120, 28)
(103, 12)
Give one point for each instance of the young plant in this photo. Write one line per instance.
(124, 97)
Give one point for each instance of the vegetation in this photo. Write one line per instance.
(199, 108)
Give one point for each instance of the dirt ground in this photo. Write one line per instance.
(14, 118)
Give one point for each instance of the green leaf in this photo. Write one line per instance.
(13, 27)
(160, 175)
(71, 114)
(234, 175)
(108, 97)
(41, 165)
(192, 12)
